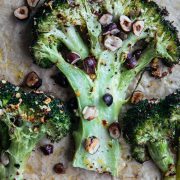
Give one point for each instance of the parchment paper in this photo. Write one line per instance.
(16, 62)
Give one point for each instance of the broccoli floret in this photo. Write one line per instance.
(61, 27)
(152, 129)
(25, 118)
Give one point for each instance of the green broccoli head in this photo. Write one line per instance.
(57, 23)
(25, 119)
(102, 36)
(158, 28)
(152, 128)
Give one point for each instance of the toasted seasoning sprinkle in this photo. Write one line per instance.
(47, 101)
(77, 93)
(93, 76)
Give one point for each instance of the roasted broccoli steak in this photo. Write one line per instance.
(94, 44)
(25, 118)
(153, 130)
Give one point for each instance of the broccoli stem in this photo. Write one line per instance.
(161, 155)
(19, 151)
(72, 40)
(108, 146)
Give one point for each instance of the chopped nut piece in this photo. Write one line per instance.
(136, 97)
(21, 13)
(47, 101)
(126, 23)
(4, 81)
(156, 73)
(92, 144)
(106, 19)
(138, 27)
(112, 42)
(32, 80)
(114, 130)
(90, 113)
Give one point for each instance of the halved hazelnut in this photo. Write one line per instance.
(111, 29)
(106, 19)
(4, 158)
(21, 13)
(32, 3)
(137, 97)
(92, 144)
(90, 113)
(73, 57)
(112, 42)
(126, 23)
(138, 27)
(114, 130)
(32, 80)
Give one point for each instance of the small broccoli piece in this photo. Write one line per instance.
(24, 120)
(153, 128)
(61, 28)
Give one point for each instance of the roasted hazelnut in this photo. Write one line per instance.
(92, 144)
(114, 130)
(32, 3)
(112, 43)
(138, 27)
(21, 13)
(89, 65)
(137, 97)
(90, 113)
(106, 19)
(4, 158)
(126, 23)
(59, 168)
(73, 58)
(32, 80)
(111, 29)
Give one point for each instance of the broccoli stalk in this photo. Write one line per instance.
(23, 141)
(152, 129)
(55, 28)
(24, 120)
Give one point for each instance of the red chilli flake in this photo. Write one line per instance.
(104, 123)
